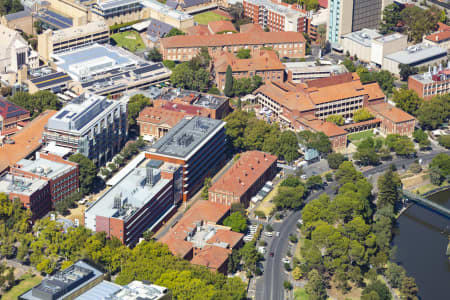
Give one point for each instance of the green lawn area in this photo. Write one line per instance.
(26, 282)
(361, 135)
(209, 16)
(300, 294)
(130, 40)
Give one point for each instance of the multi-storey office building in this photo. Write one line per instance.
(198, 145)
(434, 82)
(62, 175)
(50, 41)
(140, 201)
(185, 47)
(352, 15)
(275, 17)
(33, 193)
(117, 11)
(91, 125)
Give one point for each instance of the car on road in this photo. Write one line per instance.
(277, 233)
(262, 250)
(271, 254)
(286, 260)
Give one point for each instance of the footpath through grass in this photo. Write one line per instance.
(209, 16)
(27, 281)
(130, 40)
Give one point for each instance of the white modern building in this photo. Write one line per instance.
(370, 46)
(91, 125)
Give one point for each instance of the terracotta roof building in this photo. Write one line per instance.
(251, 27)
(198, 238)
(244, 179)
(439, 38)
(25, 142)
(393, 119)
(10, 117)
(221, 26)
(185, 47)
(155, 122)
(264, 64)
(307, 105)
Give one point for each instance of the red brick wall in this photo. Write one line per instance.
(39, 203)
(338, 142)
(415, 86)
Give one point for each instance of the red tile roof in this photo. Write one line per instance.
(198, 30)
(26, 141)
(391, 112)
(329, 128)
(323, 3)
(216, 40)
(226, 236)
(210, 256)
(244, 173)
(441, 35)
(251, 27)
(160, 116)
(221, 26)
(262, 61)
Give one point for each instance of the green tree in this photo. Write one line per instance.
(288, 146)
(347, 173)
(315, 288)
(406, 71)
(422, 138)
(315, 140)
(243, 53)
(409, 289)
(135, 105)
(389, 189)
(419, 22)
(314, 182)
(441, 162)
(174, 31)
(366, 154)
(349, 65)
(38, 26)
(250, 257)
(169, 64)
(154, 55)
(362, 114)
(378, 287)
(228, 90)
(289, 197)
(335, 160)
(336, 119)
(236, 221)
(88, 171)
(391, 17)
(433, 113)
(395, 274)
(444, 141)
(205, 190)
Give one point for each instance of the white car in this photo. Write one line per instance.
(286, 260)
(262, 250)
(277, 233)
(269, 234)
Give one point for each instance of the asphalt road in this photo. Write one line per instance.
(270, 285)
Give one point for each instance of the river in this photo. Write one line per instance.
(421, 238)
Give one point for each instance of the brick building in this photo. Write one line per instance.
(141, 201)
(198, 145)
(185, 47)
(275, 16)
(393, 119)
(440, 38)
(155, 122)
(434, 82)
(33, 193)
(62, 175)
(264, 64)
(11, 116)
(208, 105)
(244, 179)
(198, 238)
(307, 106)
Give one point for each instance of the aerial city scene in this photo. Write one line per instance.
(224, 149)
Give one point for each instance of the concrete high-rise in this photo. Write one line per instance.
(352, 15)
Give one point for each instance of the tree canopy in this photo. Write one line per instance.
(36, 103)
(336, 119)
(10, 6)
(362, 114)
(434, 112)
(88, 171)
(135, 105)
(407, 100)
(315, 140)
(236, 221)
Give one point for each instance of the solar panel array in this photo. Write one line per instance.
(10, 110)
(55, 19)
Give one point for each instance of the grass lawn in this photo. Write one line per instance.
(300, 294)
(130, 40)
(361, 135)
(27, 281)
(209, 16)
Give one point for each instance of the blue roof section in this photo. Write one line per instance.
(89, 53)
(18, 15)
(101, 291)
(9, 109)
(189, 3)
(55, 19)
